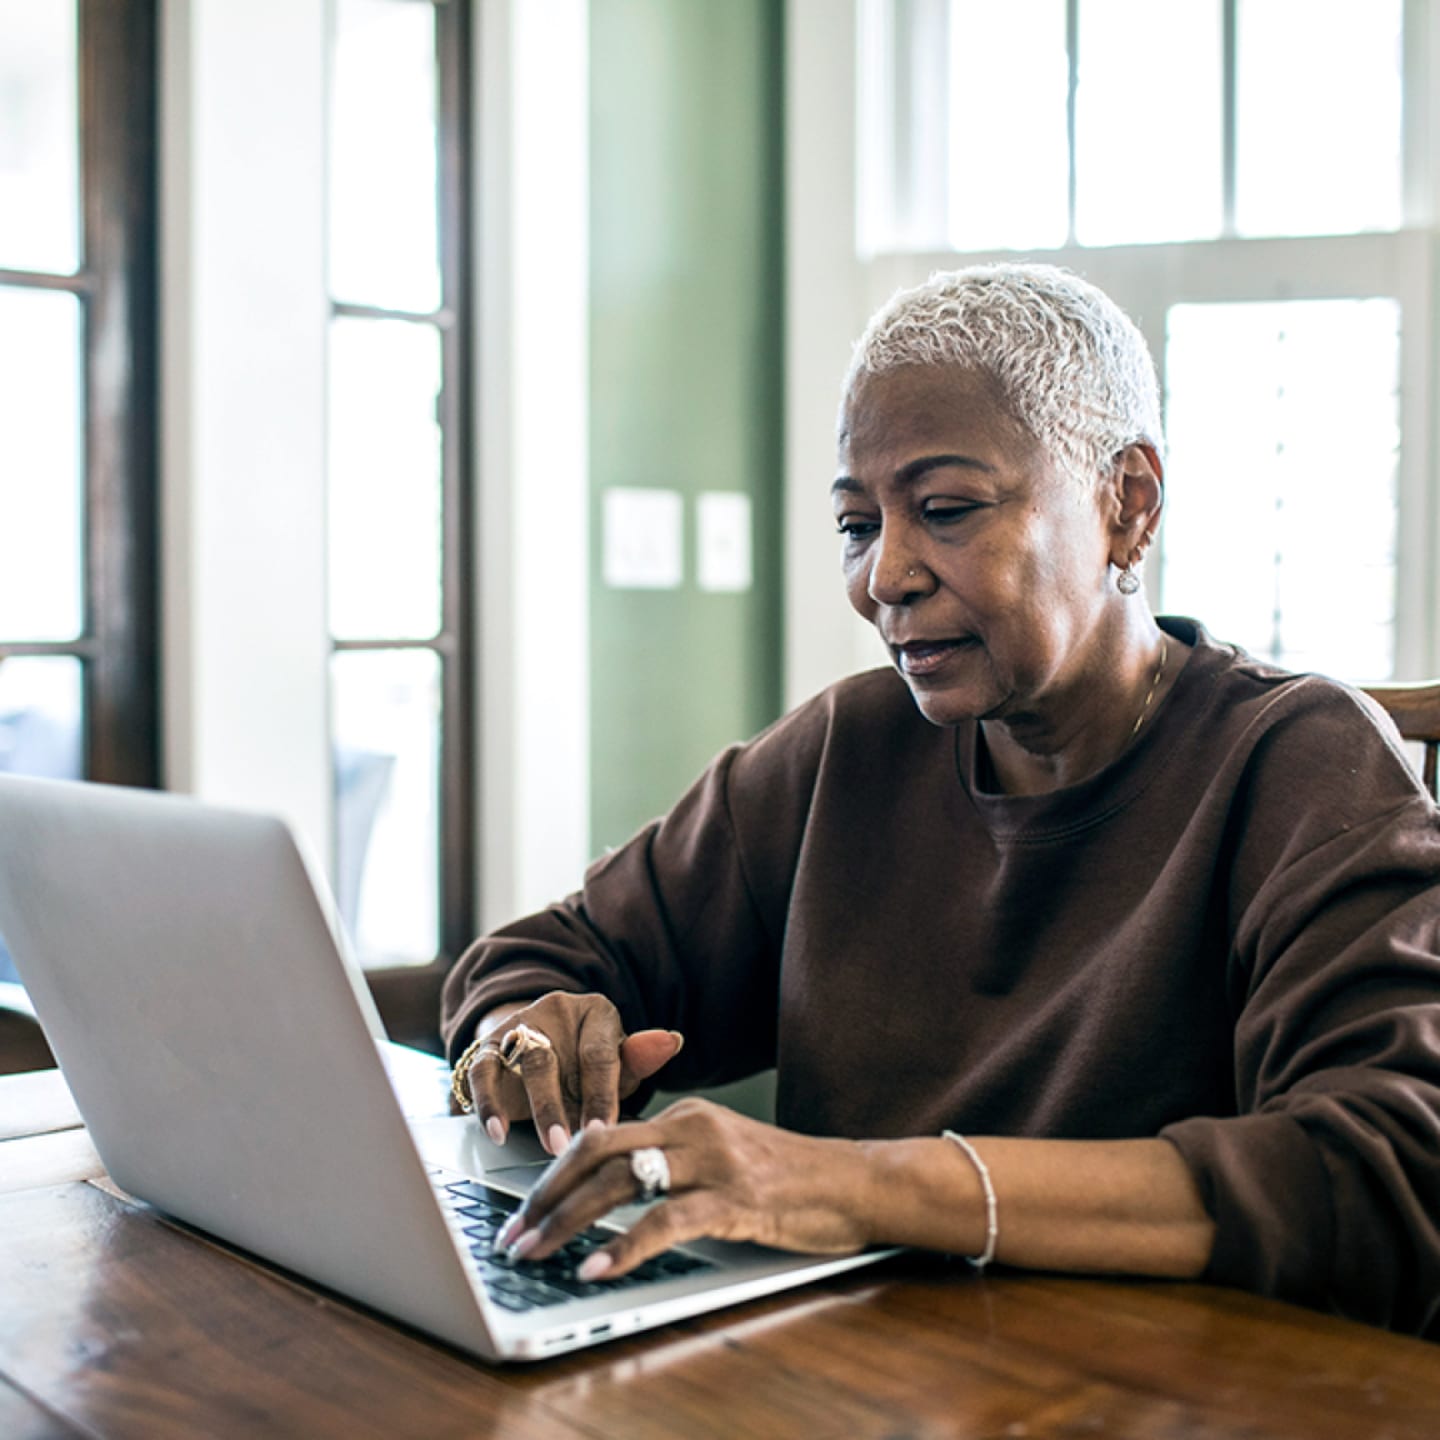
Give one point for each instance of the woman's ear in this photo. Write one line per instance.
(1139, 492)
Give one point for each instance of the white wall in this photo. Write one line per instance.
(533, 447)
(243, 405)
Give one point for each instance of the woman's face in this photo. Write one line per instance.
(981, 564)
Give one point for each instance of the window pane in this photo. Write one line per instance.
(385, 482)
(41, 728)
(1173, 168)
(383, 160)
(386, 707)
(1009, 156)
(39, 137)
(1318, 120)
(1281, 511)
(40, 466)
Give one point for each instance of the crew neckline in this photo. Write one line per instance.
(1057, 814)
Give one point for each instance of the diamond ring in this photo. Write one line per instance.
(651, 1171)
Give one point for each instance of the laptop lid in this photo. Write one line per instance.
(170, 949)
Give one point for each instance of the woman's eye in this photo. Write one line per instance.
(854, 528)
(948, 514)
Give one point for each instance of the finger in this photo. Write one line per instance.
(589, 1152)
(645, 1052)
(671, 1223)
(598, 1058)
(604, 1189)
(487, 1080)
(539, 1070)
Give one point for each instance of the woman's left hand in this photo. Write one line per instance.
(731, 1178)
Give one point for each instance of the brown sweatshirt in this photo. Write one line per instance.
(1229, 937)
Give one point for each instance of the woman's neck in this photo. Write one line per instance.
(1089, 727)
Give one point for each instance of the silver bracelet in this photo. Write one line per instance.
(992, 1223)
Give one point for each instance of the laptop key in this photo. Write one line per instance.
(516, 1293)
(509, 1302)
(475, 1193)
(482, 1214)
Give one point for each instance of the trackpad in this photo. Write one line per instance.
(459, 1143)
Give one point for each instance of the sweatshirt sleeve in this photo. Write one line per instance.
(682, 926)
(1325, 1189)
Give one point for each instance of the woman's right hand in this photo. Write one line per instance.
(578, 1078)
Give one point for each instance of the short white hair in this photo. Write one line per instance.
(1071, 365)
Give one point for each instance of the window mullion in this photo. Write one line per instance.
(457, 678)
(1230, 83)
(118, 40)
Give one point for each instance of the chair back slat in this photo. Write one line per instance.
(1415, 709)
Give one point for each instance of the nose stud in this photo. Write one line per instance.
(912, 573)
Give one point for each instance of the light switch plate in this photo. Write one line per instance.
(723, 528)
(644, 533)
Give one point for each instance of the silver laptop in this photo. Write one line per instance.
(224, 1053)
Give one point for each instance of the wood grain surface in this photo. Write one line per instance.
(35, 1103)
(48, 1159)
(114, 1322)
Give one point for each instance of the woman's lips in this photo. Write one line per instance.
(924, 657)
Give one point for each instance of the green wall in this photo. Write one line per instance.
(686, 359)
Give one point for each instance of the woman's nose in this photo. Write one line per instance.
(895, 572)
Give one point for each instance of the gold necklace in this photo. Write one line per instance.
(1154, 686)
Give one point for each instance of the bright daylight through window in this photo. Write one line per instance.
(1235, 173)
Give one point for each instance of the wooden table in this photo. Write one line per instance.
(114, 1322)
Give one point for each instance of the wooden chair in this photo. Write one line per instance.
(1415, 709)
(22, 1042)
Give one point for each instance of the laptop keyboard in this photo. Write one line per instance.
(529, 1284)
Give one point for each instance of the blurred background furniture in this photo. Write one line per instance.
(22, 1041)
(1415, 709)
(362, 783)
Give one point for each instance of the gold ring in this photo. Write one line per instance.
(460, 1075)
(519, 1042)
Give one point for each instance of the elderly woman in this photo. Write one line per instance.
(1079, 940)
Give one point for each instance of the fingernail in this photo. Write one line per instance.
(507, 1232)
(679, 1040)
(558, 1137)
(595, 1124)
(524, 1245)
(592, 1267)
(495, 1129)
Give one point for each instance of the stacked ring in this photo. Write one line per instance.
(460, 1075)
(519, 1042)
